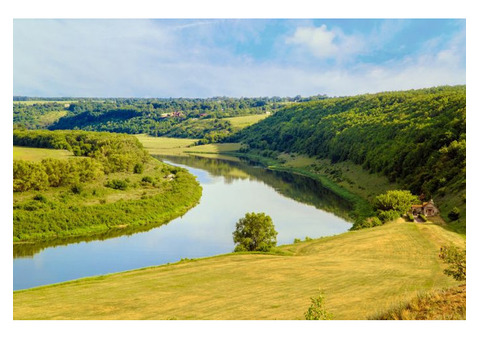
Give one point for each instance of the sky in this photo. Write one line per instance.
(234, 57)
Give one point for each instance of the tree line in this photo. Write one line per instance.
(417, 137)
(172, 117)
(102, 153)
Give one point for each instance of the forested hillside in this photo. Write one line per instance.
(416, 138)
(172, 117)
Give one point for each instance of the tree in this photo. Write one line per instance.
(397, 200)
(255, 232)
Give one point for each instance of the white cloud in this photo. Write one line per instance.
(323, 43)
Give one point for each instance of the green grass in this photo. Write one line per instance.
(360, 273)
(168, 146)
(244, 121)
(37, 154)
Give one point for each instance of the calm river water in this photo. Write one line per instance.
(299, 207)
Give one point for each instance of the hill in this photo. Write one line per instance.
(361, 273)
(415, 138)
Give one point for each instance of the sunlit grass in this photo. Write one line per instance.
(37, 154)
(359, 272)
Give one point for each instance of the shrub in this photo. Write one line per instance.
(117, 184)
(138, 168)
(388, 215)
(40, 198)
(454, 214)
(76, 188)
(410, 217)
(422, 217)
(297, 240)
(457, 260)
(369, 222)
(317, 311)
(255, 232)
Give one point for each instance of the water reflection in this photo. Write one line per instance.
(299, 207)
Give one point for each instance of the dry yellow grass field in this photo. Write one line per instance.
(361, 273)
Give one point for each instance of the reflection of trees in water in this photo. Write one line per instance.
(30, 249)
(297, 187)
(300, 188)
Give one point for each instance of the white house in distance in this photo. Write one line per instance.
(426, 208)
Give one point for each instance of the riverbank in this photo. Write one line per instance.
(116, 204)
(361, 273)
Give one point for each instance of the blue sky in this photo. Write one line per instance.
(234, 57)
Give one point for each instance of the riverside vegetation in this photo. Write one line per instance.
(111, 184)
(359, 147)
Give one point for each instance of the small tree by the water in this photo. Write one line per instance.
(255, 232)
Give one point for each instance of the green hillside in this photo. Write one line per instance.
(415, 138)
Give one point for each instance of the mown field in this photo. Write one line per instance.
(184, 146)
(22, 153)
(361, 274)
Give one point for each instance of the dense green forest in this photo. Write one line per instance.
(172, 117)
(416, 138)
(111, 183)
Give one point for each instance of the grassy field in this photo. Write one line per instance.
(37, 154)
(244, 121)
(361, 273)
(184, 146)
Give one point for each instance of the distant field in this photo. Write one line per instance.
(361, 273)
(244, 121)
(183, 146)
(31, 102)
(37, 154)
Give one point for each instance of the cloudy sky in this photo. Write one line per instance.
(255, 57)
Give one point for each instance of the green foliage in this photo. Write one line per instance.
(388, 215)
(457, 260)
(397, 200)
(255, 232)
(138, 168)
(34, 220)
(117, 184)
(317, 310)
(422, 217)
(297, 240)
(368, 222)
(410, 217)
(454, 214)
(416, 138)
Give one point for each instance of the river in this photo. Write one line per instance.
(299, 208)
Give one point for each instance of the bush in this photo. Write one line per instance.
(410, 217)
(422, 217)
(457, 260)
(138, 168)
(317, 311)
(117, 184)
(369, 222)
(255, 232)
(40, 198)
(76, 188)
(454, 214)
(388, 215)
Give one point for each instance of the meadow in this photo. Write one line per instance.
(361, 274)
(22, 153)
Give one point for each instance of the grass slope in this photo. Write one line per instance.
(21, 153)
(361, 274)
